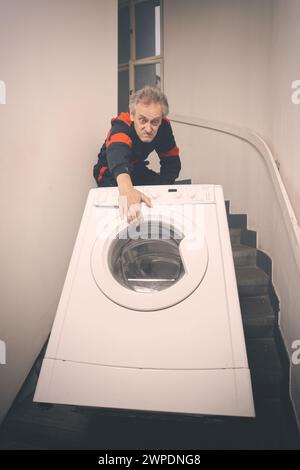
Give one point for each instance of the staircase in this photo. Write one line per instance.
(268, 362)
(32, 426)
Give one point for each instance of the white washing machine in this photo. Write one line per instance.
(149, 317)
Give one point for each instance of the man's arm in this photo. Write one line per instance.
(130, 198)
(119, 153)
(118, 156)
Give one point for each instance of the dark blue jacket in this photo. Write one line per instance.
(123, 149)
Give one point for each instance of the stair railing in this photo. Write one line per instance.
(264, 151)
(282, 245)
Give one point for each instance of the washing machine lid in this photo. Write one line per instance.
(185, 260)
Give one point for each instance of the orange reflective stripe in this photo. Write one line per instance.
(174, 152)
(119, 137)
(101, 173)
(125, 117)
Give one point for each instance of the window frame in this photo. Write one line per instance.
(133, 61)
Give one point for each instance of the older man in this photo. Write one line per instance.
(122, 160)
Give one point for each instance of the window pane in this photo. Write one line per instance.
(147, 25)
(123, 91)
(147, 75)
(124, 35)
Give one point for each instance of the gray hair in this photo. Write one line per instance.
(147, 95)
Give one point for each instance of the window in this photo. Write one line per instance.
(140, 50)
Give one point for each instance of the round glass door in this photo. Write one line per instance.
(150, 261)
(155, 257)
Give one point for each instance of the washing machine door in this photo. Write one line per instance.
(165, 256)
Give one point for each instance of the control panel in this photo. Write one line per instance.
(162, 195)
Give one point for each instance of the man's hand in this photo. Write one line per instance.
(130, 204)
(130, 199)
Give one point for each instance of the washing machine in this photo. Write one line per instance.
(149, 316)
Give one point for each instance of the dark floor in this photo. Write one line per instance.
(33, 426)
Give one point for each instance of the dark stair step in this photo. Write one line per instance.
(251, 281)
(276, 426)
(49, 426)
(249, 238)
(265, 366)
(258, 316)
(235, 236)
(237, 221)
(60, 427)
(240, 236)
(244, 255)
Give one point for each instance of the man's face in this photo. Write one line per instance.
(147, 119)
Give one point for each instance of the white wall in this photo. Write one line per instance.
(234, 62)
(285, 114)
(286, 142)
(215, 67)
(216, 55)
(58, 60)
